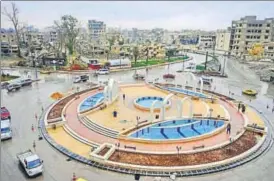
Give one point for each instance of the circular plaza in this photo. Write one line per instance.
(155, 129)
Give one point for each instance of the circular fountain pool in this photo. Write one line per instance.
(145, 103)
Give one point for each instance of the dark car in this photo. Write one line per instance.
(5, 114)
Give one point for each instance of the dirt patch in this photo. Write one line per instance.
(244, 143)
(103, 151)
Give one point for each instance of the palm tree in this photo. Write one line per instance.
(136, 54)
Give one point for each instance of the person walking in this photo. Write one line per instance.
(34, 146)
(239, 106)
(124, 97)
(273, 109)
(228, 128)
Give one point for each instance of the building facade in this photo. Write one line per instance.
(223, 39)
(97, 31)
(207, 41)
(247, 31)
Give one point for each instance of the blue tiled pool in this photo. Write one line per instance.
(146, 102)
(177, 129)
(187, 92)
(91, 101)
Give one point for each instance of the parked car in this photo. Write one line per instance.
(25, 82)
(81, 78)
(4, 85)
(13, 87)
(31, 163)
(6, 132)
(102, 71)
(5, 114)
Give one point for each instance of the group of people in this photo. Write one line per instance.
(241, 106)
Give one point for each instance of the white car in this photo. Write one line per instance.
(6, 132)
(102, 71)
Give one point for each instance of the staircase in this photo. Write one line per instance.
(98, 128)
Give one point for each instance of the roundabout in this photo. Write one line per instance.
(155, 129)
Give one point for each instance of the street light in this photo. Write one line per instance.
(178, 150)
(118, 146)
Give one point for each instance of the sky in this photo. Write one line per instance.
(171, 15)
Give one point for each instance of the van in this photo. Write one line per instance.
(6, 132)
(102, 71)
(81, 78)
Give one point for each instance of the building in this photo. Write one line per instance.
(247, 31)
(269, 50)
(97, 31)
(207, 41)
(8, 36)
(223, 39)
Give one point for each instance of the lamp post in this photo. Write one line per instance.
(210, 112)
(118, 146)
(178, 150)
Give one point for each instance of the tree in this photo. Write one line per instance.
(136, 54)
(69, 27)
(170, 53)
(13, 16)
(110, 44)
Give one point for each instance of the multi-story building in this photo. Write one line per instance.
(223, 39)
(207, 41)
(97, 31)
(269, 50)
(8, 36)
(247, 31)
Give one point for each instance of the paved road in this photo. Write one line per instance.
(28, 101)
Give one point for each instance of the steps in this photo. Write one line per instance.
(99, 129)
(78, 137)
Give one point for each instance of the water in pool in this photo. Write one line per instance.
(178, 129)
(92, 101)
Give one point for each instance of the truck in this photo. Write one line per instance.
(31, 163)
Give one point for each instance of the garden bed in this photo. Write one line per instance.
(56, 111)
(244, 143)
(103, 151)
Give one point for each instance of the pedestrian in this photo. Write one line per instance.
(32, 127)
(273, 109)
(42, 109)
(239, 106)
(267, 106)
(34, 145)
(124, 97)
(228, 128)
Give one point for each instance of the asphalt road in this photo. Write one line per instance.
(25, 103)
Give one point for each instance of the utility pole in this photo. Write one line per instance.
(206, 60)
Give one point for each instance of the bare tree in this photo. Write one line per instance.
(70, 28)
(13, 17)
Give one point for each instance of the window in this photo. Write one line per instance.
(259, 31)
(248, 37)
(260, 25)
(240, 31)
(240, 25)
(248, 31)
(265, 37)
(270, 48)
(268, 25)
(267, 31)
(3, 36)
(239, 36)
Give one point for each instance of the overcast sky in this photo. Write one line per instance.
(174, 15)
